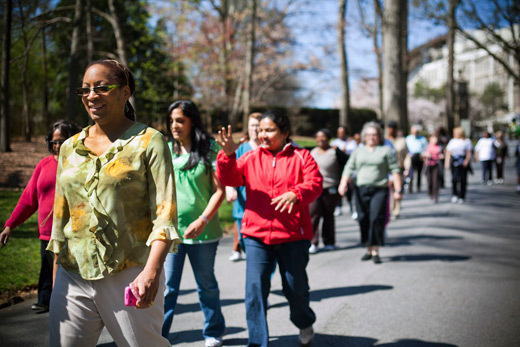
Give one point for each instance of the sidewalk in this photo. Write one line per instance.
(450, 277)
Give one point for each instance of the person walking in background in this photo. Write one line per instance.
(502, 153)
(458, 156)
(330, 162)
(432, 157)
(238, 194)
(281, 181)
(194, 158)
(401, 154)
(517, 154)
(114, 220)
(38, 195)
(340, 142)
(373, 163)
(416, 144)
(485, 153)
(444, 138)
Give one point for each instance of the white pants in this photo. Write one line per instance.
(79, 310)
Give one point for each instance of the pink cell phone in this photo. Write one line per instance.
(130, 299)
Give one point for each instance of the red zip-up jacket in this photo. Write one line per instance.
(266, 177)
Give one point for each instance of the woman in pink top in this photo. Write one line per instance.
(432, 157)
(38, 195)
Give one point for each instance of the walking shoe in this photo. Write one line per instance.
(454, 199)
(376, 259)
(235, 256)
(355, 216)
(460, 201)
(306, 335)
(313, 249)
(329, 248)
(40, 308)
(337, 211)
(366, 257)
(214, 342)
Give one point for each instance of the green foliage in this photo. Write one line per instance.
(422, 90)
(493, 97)
(20, 258)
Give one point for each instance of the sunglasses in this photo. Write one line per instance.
(84, 91)
(57, 142)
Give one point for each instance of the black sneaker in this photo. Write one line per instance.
(41, 308)
(366, 257)
(376, 259)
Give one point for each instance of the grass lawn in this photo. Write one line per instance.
(20, 258)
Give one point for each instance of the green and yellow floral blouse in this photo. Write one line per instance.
(108, 209)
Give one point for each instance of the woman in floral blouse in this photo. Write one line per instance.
(115, 220)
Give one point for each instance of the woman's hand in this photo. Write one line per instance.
(225, 140)
(4, 236)
(343, 186)
(286, 201)
(398, 195)
(195, 228)
(147, 285)
(231, 194)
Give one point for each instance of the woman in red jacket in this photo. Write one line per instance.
(38, 195)
(281, 181)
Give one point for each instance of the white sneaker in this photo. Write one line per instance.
(313, 249)
(235, 256)
(460, 201)
(329, 248)
(355, 216)
(306, 335)
(214, 342)
(490, 182)
(337, 211)
(454, 199)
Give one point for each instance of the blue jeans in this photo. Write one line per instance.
(202, 260)
(292, 258)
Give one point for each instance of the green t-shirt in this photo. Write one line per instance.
(194, 189)
(372, 168)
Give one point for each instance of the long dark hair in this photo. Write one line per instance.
(200, 139)
(121, 75)
(281, 120)
(66, 128)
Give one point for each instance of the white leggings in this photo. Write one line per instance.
(79, 310)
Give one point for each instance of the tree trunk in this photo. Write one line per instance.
(90, 41)
(378, 18)
(45, 83)
(6, 57)
(403, 120)
(74, 69)
(25, 88)
(450, 121)
(250, 58)
(393, 61)
(345, 93)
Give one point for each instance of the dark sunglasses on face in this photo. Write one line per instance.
(84, 91)
(57, 142)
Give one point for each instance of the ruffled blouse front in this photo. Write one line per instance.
(108, 209)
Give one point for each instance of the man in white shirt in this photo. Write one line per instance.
(485, 153)
(416, 145)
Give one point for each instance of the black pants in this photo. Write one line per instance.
(323, 207)
(371, 204)
(45, 279)
(417, 166)
(433, 174)
(459, 177)
(487, 170)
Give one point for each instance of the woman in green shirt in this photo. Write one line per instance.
(200, 193)
(373, 162)
(114, 220)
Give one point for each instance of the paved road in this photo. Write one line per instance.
(450, 277)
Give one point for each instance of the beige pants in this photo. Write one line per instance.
(79, 310)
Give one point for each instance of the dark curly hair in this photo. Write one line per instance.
(66, 128)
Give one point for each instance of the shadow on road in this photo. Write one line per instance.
(196, 335)
(194, 307)
(426, 257)
(408, 240)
